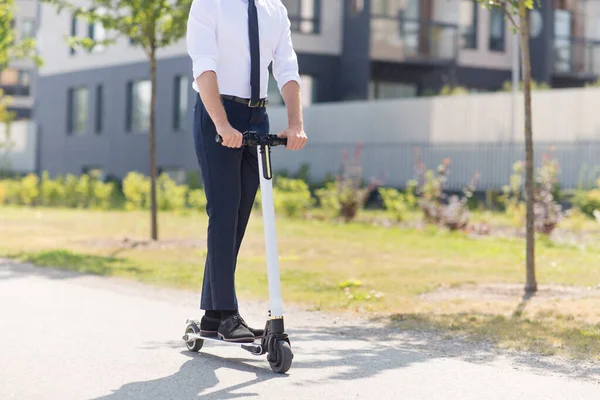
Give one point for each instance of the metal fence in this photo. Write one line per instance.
(396, 163)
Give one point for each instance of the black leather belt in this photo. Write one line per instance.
(259, 104)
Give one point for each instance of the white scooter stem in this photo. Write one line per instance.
(268, 212)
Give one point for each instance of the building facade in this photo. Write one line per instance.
(92, 107)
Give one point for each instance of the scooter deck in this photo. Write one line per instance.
(253, 347)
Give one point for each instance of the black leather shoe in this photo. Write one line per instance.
(258, 333)
(233, 329)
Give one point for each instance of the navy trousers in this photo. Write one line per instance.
(231, 180)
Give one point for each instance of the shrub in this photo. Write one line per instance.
(103, 194)
(588, 201)
(136, 188)
(547, 212)
(52, 191)
(395, 202)
(29, 190)
(453, 214)
(511, 196)
(197, 199)
(291, 196)
(169, 195)
(347, 194)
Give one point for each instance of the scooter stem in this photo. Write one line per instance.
(268, 211)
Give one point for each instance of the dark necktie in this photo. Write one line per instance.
(254, 51)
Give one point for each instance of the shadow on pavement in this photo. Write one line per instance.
(195, 376)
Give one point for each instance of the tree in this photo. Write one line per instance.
(517, 12)
(149, 24)
(10, 50)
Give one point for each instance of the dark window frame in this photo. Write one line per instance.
(99, 109)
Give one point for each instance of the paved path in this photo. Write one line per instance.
(65, 336)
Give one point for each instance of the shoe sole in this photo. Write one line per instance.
(240, 340)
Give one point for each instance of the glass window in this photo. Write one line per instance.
(304, 15)
(180, 102)
(97, 32)
(139, 95)
(468, 23)
(497, 29)
(78, 110)
(27, 28)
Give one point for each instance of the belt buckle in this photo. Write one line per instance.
(254, 105)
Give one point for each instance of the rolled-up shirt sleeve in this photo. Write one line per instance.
(201, 36)
(285, 60)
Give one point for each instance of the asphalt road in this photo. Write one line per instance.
(65, 336)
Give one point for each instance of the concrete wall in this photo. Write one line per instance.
(474, 131)
(18, 147)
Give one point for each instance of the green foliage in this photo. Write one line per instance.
(291, 197)
(170, 195)
(511, 195)
(347, 194)
(136, 188)
(29, 190)
(451, 90)
(547, 211)
(454, 213)
(588, 201)
(197, 199)
(395, 202)
(507, 86)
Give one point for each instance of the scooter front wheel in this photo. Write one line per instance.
(284, 356)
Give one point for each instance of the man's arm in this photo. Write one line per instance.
(285, 71)
(204, 52)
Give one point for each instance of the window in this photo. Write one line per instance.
(99, 109)
(180, 102)
(497, 29)
(73, 32)
(304, 15)
(97, 32)
(138, 106)
(27, 28)
(77, 110)
(468, 19)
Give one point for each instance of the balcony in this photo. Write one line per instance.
(415, 41)
(576, 57)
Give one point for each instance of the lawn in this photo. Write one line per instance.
(413, 278)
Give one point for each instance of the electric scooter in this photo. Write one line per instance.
(275, 342)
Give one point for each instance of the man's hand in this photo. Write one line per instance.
(296, 138)
(231, 137)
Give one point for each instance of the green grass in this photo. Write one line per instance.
(353, 267)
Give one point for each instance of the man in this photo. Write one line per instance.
(231, 44)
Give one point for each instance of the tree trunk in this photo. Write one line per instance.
(153, 171)
(531, 284)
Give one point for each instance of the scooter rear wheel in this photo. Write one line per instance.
(193, 345)
(283, 361)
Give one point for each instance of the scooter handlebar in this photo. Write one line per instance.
(252, 138)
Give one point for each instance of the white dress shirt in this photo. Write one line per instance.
(217, 40)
